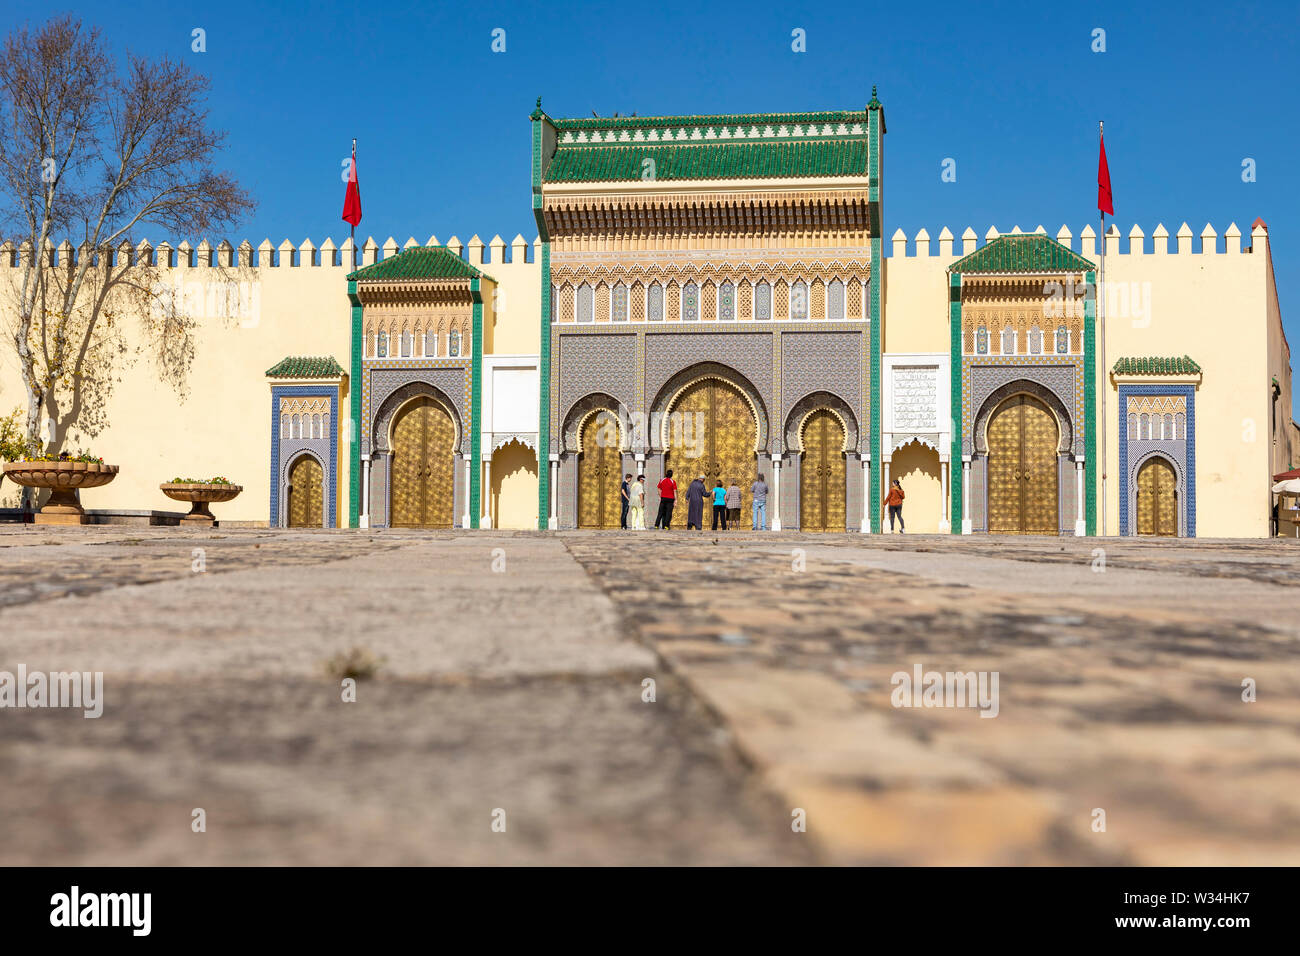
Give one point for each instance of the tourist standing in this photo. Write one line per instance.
(733, 505)
(623, 501)
(719, 505)
(667, 498)
(895, 505)
(695, 495)
(758, 503)
(636, 504)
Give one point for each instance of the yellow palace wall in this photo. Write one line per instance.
(1210, 304)
(221, 425)
(915, 310)
(514, 329)
(1216, 303)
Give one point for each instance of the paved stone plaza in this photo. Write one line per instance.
(512, 678)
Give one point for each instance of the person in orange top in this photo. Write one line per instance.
(894, 502)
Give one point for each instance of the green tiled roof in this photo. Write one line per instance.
(305, 366)
(1156, 365)
(1031, 252)
(722, 119)
(831, 157)
(418, 262)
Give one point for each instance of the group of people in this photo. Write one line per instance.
(725, 501)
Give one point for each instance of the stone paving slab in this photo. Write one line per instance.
(1119, 689)
(427, 605)
(409, 775)
(520, 688)
(515, 689)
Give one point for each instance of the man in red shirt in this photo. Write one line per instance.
(667, 498)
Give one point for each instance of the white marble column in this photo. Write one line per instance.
(1080, 516)
(775, 501)
(364, 520)
(884, 493)
(866, 494)
(552, 519)
(485, 521)
(965, 496)
(464, 518)
(944, 470)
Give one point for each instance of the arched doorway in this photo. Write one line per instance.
(599, 467)
(822, 489)
(1157, 498)
(306, 493)
(514, 485)
(711, 432)
(917, 467)
(423, 476)
(1022, 440)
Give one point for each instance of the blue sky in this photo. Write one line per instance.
(1012, 92)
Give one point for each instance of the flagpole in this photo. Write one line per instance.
(1101, 321)
(352, 231)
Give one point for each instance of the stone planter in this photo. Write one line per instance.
(200, 496)
(63, 478)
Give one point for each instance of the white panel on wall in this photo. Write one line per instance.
(514, 399)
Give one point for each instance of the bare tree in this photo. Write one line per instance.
(92, 153)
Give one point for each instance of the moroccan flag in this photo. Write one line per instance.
(352, 200)
(1103, 181)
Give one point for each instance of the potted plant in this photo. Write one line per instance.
(13, 442)
(64, 474)
(201, 493)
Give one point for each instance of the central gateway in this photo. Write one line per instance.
(710, 280)
(1022, 468)
(712, 434)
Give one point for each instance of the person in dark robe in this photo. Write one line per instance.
(695, 505)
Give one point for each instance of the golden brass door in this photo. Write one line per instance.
(306, 494)
(712, 433)
(821, 474)
(599, 473)
(1022, 468)
(1157, 499)
(424, 466)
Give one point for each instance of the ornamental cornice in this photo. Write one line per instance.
(739, 255)
(710, 326)
(749, 211)
(416, 292)
(1012, 289)
(1193, 380)
(754, 271)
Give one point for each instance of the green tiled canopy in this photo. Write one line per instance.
(834, 157)
(1032, 252)
(418, 262)
(1156, 365)
(305, 366)
(724, 146)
